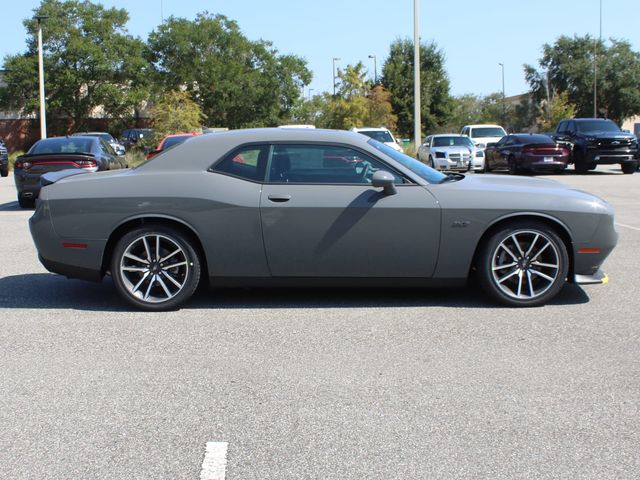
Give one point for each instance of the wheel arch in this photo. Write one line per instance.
(164, 220)
(558, 227)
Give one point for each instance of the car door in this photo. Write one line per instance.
(503, 151)
(321, 217)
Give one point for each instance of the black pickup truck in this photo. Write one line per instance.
(597, 141)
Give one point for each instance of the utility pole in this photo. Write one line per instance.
(43, 113)
(375, 69)
(334, 74)
(504, 105)
(417, 127)
(595, 67)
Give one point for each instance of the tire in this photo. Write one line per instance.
(526, 274)
(431, 164)
(513, 167)
(629, 167)
(4, 172)
(26, 202)
(146, 281)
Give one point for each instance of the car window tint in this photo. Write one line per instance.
(247, 162)
(323, 164)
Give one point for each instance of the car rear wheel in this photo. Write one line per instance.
(155, 267)
(524, 264)
(513, 166)
(4, 172)
(26, 202)
(629, 167)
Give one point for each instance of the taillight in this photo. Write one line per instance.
(87, 164)
(23, 164)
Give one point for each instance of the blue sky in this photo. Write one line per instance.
(474, 35)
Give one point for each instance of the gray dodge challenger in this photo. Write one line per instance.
(297, 207)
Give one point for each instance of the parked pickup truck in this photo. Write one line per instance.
(597, 141)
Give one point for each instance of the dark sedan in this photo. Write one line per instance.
(521, 152)
(315, 207)
(86, 153)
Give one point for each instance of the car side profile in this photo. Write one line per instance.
(525, 152)
(294, 207)
(4, 160)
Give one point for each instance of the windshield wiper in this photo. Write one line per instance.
(452, 177)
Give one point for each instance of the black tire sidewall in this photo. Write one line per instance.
(175, 235)
(486, 254)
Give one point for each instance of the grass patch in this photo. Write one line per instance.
(135, 157)
(12, 158)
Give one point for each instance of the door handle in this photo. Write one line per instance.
(279, 198)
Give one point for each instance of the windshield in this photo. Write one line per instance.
(452, 142)
(381, 136)
(62, 145)
(487, 132)
(419, 168)
(597, 126)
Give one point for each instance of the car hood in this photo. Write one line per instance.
(511, 193)
(454, 149)
(609, 135)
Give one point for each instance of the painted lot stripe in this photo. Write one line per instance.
(214, 465)
(628, 226)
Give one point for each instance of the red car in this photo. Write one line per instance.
(170, 141)
(525, 151)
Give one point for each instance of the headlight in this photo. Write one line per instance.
(480, 145)
(441, 155)
(479, 153)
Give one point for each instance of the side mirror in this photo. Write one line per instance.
(385, 180)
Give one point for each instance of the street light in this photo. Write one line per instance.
(503, 96)
(375, 69)
(417, 127)
(595, 67)
(43, 115)
(334, 74)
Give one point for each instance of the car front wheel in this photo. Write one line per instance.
(524, 264)
(155, 267)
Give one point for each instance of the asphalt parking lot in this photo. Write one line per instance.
(321, 384)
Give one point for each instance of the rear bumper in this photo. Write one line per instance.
(598, 278)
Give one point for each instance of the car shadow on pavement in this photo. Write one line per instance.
(48, 291)
(10, 207)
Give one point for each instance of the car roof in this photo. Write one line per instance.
(205, 149)
(483, 125)
(437, 135)
(369, 129)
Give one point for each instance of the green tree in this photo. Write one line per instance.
(559, 108)
(176, 112)
(567, 66)
(92, 65)
(397, 77)
(237, 82)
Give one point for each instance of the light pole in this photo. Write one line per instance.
(43, 114)
(417, 127)
(595, 67)
(334, 74)
(503, 96)
(375, 69)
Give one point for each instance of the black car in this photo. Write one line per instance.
(524, 151)
(140, 137)
(597, 141)
(4, 159)
(90, 154)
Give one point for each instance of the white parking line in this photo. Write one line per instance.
(214, 465)
(628, 226)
